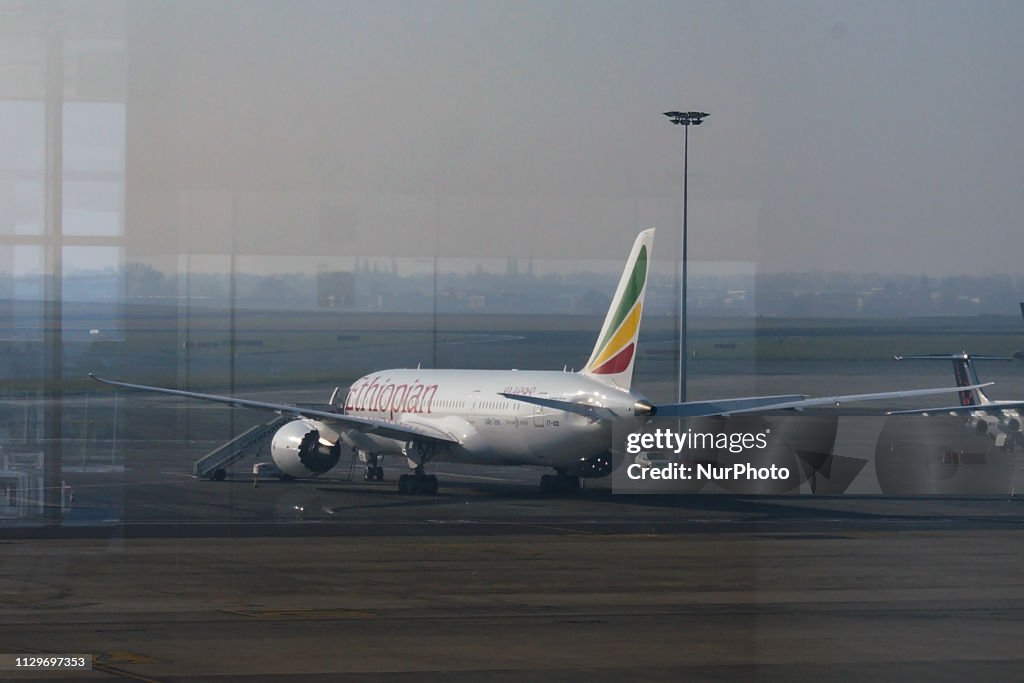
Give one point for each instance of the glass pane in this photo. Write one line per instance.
(93, 189)
(93, 289)
(93, 208)
(21, 168)
(21, 301)
(94, 138)
(21, 136)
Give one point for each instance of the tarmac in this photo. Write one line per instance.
(161, 577)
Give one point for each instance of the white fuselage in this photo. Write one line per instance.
(491, 429)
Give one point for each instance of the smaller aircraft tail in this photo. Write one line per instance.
(612, 359)
(964, 373)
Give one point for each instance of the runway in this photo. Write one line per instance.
(545, 602)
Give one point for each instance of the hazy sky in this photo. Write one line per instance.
(861, 136)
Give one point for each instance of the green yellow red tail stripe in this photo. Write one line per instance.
(615, 351)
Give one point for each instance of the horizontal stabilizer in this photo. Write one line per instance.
(585, 409)
(964, 374)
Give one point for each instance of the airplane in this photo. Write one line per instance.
(1000, 420)
(558, 419)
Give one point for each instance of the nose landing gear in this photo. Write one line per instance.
(374, 472)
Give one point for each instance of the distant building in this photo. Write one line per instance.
(336, 290)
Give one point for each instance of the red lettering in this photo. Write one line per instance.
(427, 402)
(412, 404)
(364, 394)
(351, 396)
(401, 392)
(387, 392)
(374, 394)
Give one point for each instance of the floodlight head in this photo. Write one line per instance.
(685, 118)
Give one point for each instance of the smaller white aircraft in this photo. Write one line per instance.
(1000, 420)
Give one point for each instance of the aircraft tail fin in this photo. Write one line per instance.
(613, 356)
(964, 373)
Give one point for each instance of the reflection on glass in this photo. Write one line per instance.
(93, 208)
(93, 168)
(21, 168)
(94, 138)
(21, 300)
(21, 136)
(92, 291)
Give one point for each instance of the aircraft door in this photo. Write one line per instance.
(538, 411)
(474, 404)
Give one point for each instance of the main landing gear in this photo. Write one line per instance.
(419, 481)
(555, 484)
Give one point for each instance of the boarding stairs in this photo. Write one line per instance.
(214, 464)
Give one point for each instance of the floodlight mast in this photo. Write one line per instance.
(684, 119)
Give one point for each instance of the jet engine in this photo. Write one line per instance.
(977, 425)
(1009, 435)
(299, 451)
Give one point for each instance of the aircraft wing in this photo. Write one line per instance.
(690, 409)
(731, 406)
(836, 401)
(391, 430)
(725, 406)
(994, 407)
